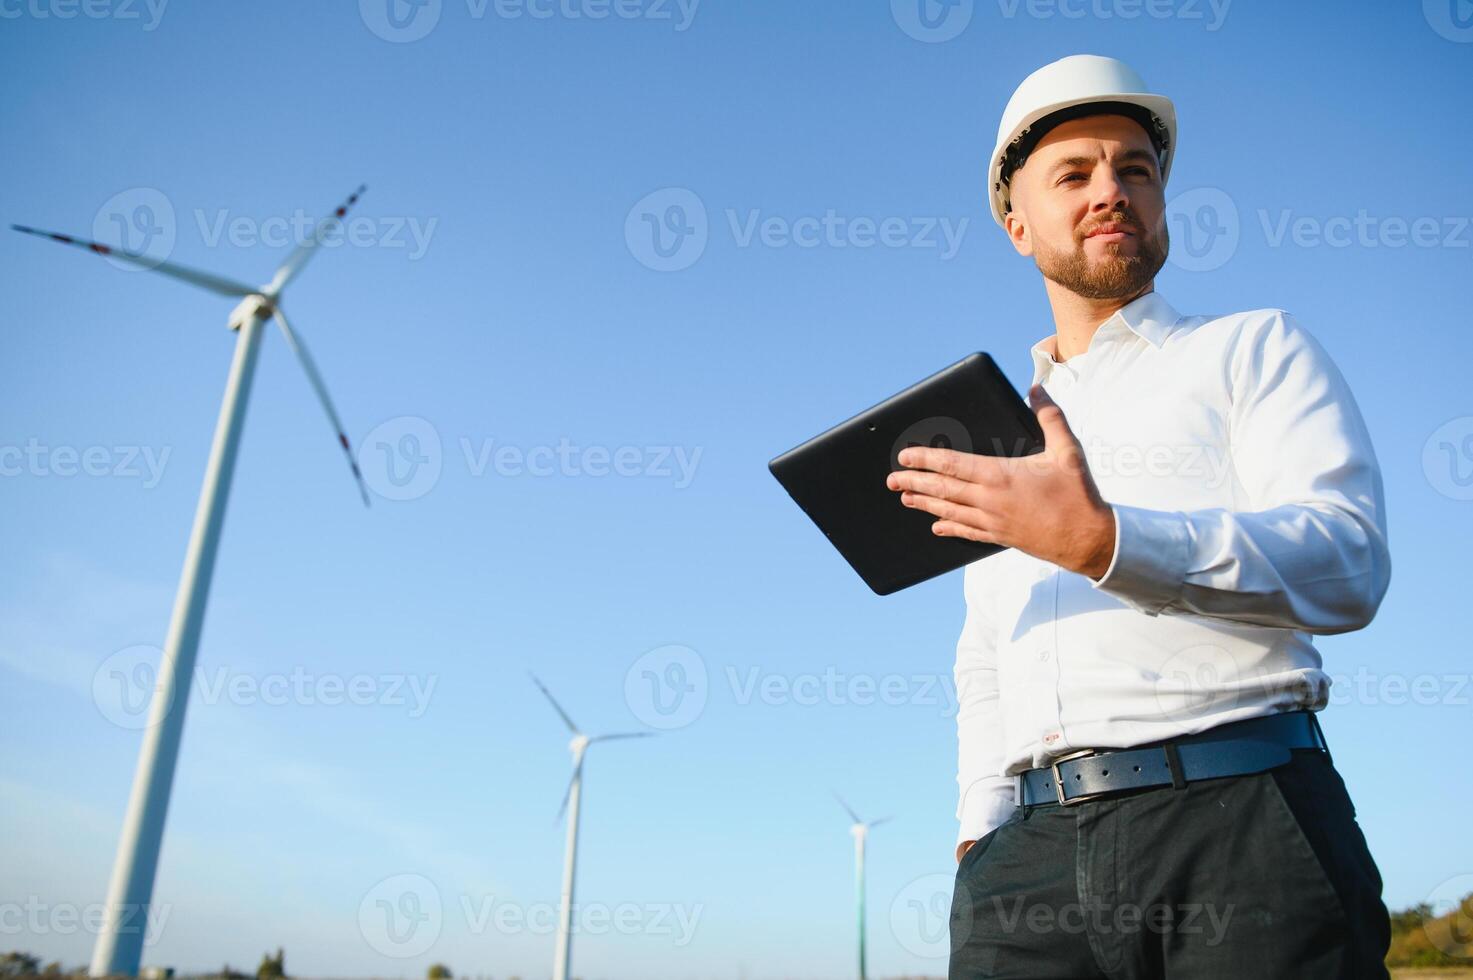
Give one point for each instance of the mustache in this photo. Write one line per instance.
(1126, 220)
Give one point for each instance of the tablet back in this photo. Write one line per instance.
(838, 477)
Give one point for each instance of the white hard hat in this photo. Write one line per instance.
(1084, 81)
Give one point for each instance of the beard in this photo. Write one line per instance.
(1115, 274)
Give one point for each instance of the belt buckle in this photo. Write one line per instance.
(1059, 779)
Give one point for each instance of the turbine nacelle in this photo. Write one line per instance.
(256, 306)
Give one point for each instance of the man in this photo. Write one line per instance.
(1144, 789)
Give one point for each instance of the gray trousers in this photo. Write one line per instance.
(1264, 876)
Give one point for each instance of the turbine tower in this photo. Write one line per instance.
(860, 829)
(572, 799)
(120, 943)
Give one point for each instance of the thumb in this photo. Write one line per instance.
(1057, 436)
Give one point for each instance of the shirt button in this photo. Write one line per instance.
(1043, 656)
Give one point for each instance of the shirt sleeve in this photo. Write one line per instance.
(985, 796)
(1311, 552)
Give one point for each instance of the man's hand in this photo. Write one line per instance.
(1046, 505)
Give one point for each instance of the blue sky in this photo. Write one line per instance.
(503, 295)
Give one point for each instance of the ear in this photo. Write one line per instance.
(1015, 223)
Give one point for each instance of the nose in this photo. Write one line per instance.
(1107, 191)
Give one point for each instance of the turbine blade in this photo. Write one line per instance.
(303, 252)
(876, 823)
(611, 737)
(557, 707)
(847, 808)
(568, 793)
(205, 280)
(310, 366)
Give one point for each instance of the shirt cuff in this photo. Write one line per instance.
(1151, 558)
(985, 806)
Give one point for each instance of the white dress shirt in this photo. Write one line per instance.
(1249, 514)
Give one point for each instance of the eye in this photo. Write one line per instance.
(1068, 177)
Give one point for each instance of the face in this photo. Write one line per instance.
(1086, 175)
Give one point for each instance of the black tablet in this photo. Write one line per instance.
(838, 477)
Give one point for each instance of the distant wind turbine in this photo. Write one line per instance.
(572, 797)
(120, 942)
(860, 830)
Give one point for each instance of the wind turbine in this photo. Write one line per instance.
(860, 830)
(571, 800)
(120, 942)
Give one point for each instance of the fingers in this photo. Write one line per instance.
(951, 529)
(965, 521)
(932, 485)
(1057, 436)
(967, 467)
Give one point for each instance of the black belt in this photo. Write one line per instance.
(1235, 749)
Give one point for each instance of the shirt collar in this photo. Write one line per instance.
(1149, 317)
